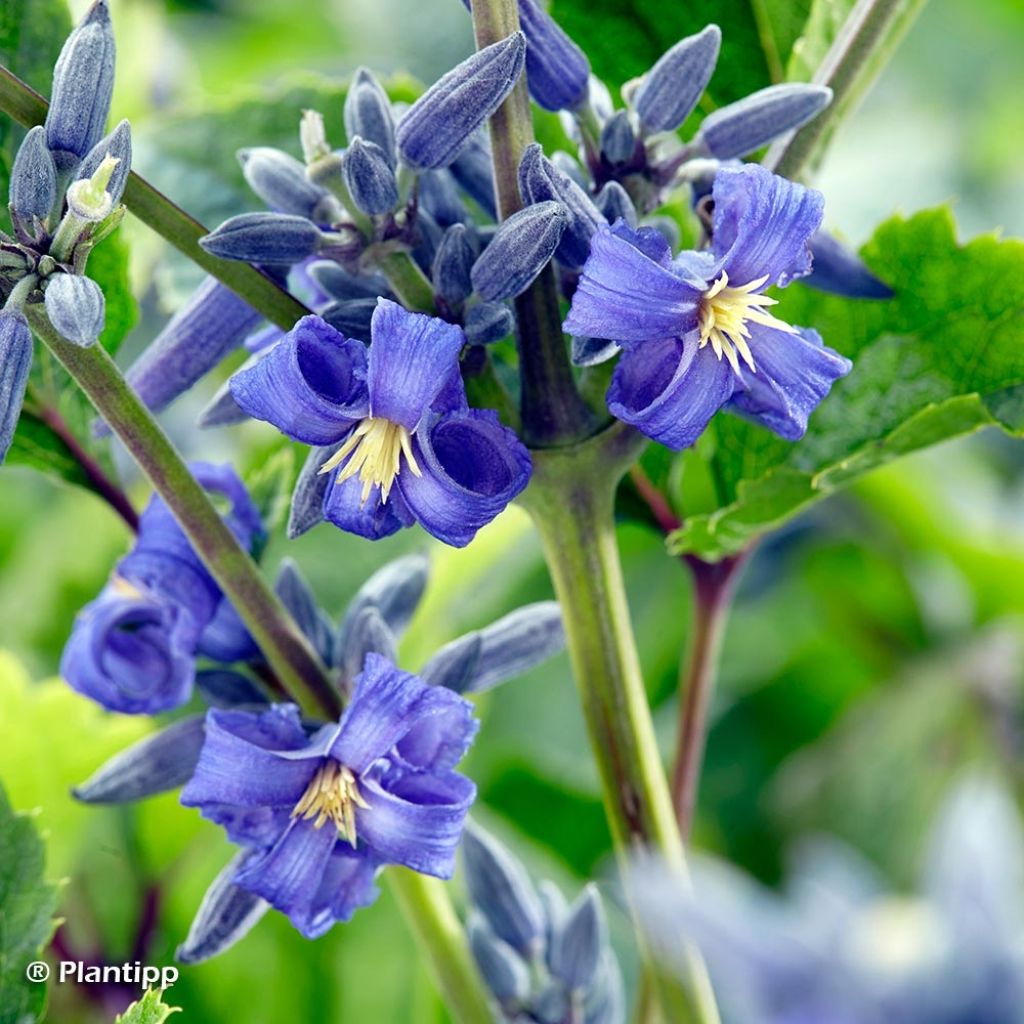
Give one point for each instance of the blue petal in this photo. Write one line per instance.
(311, 385)
(763, 225)
(243, 518)
(472, 467)
(626, 295)
(347, 885)
(226, 638)
(413, 356)
(438, 741)
(181, 582)
(417, 821)
(344, 507)
(249, 826)
(670, 389)
(794, 373)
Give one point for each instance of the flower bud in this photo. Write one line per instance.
(441, 121)
(116, 146)
(368, 114)
(473, 171)
(521, 249)
(395, 590)
(540, 180)
(83, 82)
(488, 322)
(15, 362)
(501, 968)
(569, 166)
(351, 318)
(453, 264)
(755, 120)
(674, 86)
(592, 351)
(439, 196)
(838, 270)
(298, 597)
(222, 688)
(307, 508)
(280, 181)
(369, 178)
(33, 186)
(337, 283)
(76, 308)
(264, 238)
(367, 633)
(577, 946)
(618, 140)
(89, 198)
(614, 203)
(557, 70)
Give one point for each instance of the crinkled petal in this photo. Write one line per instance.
(626, 295)
(373, 519)
(417, 821)
(437, 741)
(348, 884)
(226, 638)
(794, 373)
(471, 468)
(311, 385)
(763, 225)
(669, 390)
(249, 826)
(412, 358)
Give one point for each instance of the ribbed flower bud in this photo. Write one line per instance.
(264, 238)
(15, 362)
(673, 87)
(521, 249)
(76, 308)
(33, 186)
(368, 114)
(280, 181)
(116, 146)
(369, 178)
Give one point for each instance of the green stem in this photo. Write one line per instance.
(408, 282)
(870, 32)
(154, 209)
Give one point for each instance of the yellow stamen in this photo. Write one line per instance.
(376, 448)
(724, 312)
(332, 796)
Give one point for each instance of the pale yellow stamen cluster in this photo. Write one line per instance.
(724, 312)
(333, 796)
(376, 448)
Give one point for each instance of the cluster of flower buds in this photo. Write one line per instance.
(543, 960)
(267, 774)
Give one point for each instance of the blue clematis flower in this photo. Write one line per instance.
(321, 814)
(409, 447)
(695, 330)
(133, 649)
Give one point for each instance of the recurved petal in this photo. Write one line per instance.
(626, 295)
(471, 468)
(372, 519)
(794, 373)
(763, 225)
(669, 390)
(412, 357)
(311, 385)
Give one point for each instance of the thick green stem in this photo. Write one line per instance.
(408, 282)
(870, 32)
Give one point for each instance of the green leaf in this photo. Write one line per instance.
(27, 903)
(150, 1009)
(943, 358)
(270, 485)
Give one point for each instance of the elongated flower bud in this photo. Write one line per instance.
(557, 70)
(369, 178)
(453, 264)
(592, 351)
(439, 196)
(118, 146)
(838, 270)
(76, 308)
(33, 187)
(755, 120)
(339, 284)
(472, 170)
(264, 238)
(614, 203)
(521, 249)
(83, 82)
(15, 362)
(618, 140)
(502, 969)
(280, 181)
(488, 322)
(352, 318)
(673, 87)
(442, 120)
(368, 114)
(577, 947)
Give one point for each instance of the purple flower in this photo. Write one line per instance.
(320, 814)
(409, 447)
(696, 330)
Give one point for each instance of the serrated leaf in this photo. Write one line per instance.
(941, 359)
(150, 1009)
(27, 903)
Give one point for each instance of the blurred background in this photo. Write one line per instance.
(874, 655)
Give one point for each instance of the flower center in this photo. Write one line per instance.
(723, 315)
(332, 795)
(374, 450)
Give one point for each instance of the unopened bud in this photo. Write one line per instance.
(614, 203)
(33, 186)
(88, 198)
(369, 178)
(76, 308)
(521, 249)
(368, 114)
(618, 139)
(264, 238)
(453, 264)
(116, 146)
(15, 362)
(280, 181)
(674, 86)
(487, 323)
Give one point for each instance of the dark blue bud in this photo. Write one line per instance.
(155, 764)
(838, 270)
(592, 351)
(453, 263)
(280, 181)
(339, 284)
(226, 915)
(439, 196)
(501, 890)
(552, 1005)
(369, 178)
(755, 120)
(426, 240)
(222, 688)
(557, 70)
(368, 114)
(488, 322)
(297, 596)
(614, 203)
(453, 666)
(352, 318)
(76, 308)
(15, 362)
(222, 410)
(674, 86)
(501, 968)
(605, 1000)
(395, 591)
(570, 167)
(264, 238)
(83, 82)
(521, 249)
(366, 633)
(540, 181)
(473, 170)
(577, 946)
(441, 121)
(618, 139)
(33, 186)
(117, 144)
(307, 508)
